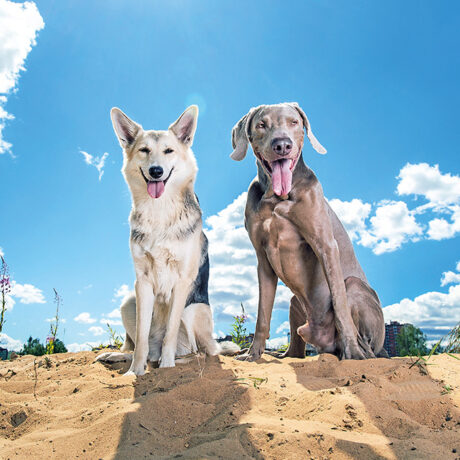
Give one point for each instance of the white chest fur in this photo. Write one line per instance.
(165, 244)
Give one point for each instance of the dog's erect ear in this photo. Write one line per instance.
(126, 129)
(185, 126)
(313, 141)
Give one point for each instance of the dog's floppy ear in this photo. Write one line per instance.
(126, 129)
(313, 141)
(185, 126)
(240, 139)
(241, 135)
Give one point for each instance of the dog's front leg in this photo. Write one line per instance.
(316, 229)
(168, 352)
(267, 290)
(144, 311)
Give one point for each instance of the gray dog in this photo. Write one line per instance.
(299, 239)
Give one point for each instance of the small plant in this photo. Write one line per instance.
(51, 339)
(115, 339)
(283, 348)
(239, 333)
(453, 341)
(47, 362)
(256, 381)
(5, 289)
(447, 389)
(453, 346)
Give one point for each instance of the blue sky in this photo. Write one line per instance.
(379, 82)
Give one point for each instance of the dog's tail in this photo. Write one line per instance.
(228, 348)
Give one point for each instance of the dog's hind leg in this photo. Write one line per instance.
(203, 327)
(297, 318)
(128, 316)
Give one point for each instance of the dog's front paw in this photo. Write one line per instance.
(110, 358)
(136, 369)
(253, 354)
(350, 349)
(167, 359)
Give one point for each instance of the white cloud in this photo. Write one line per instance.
(233, 274)
(283, 327)
(96, 330)
(76, 347)
(19, 24)
(451, 277)
(84, 318)
(10, 343)
(440, 228)
(436, 312)
(2, 253)
(353, 215)
(276, 342)
(387, 225)
(391, 226)
(122, 292)
(427, 181)
(26, 293)
(114, 313)
(97, 162)
(111, 322)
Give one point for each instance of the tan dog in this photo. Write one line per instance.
(170, 314)
(299, 239)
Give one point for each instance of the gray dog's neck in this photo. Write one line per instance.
(300, 170)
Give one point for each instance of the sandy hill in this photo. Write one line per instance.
(315, 408)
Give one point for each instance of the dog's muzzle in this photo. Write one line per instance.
(155, 188)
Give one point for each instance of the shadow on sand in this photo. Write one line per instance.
(190, 411)
(380, 408)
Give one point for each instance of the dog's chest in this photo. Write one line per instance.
(286, 249)
(163, 249)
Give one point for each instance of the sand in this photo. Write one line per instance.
(316, 408)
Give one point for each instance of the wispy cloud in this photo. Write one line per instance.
(19, 24)
(97, 162)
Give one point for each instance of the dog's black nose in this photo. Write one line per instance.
(155, 171)
(282, 145)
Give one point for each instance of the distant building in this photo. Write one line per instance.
(3, 353)
(391, 331)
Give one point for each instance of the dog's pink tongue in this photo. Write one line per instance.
(281, 177)
(155, 189)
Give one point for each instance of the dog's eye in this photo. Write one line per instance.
(144, 150)
(295, 122)
(168, 150)
(260, 125)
